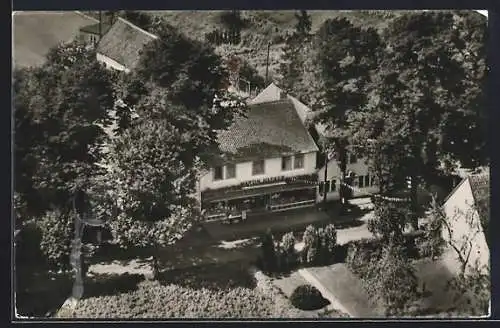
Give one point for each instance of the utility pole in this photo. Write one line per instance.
(100, 25)
(267, 62)
(324, 180)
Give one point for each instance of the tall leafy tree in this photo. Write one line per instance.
(152, 178)
(426, 97)
(346, 58)
(178, 93)
(65, 103)
(294, 52)
(189, 71)
(60, 111)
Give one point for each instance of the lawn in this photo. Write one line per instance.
(346, 288)
(35, 32)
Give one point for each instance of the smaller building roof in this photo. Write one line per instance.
(124, 42)
(270, 128)
(94, 28)
(480, 186)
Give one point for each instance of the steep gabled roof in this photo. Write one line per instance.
(94, 28)
(480, 186)
(269, 128)
(274, 92)
(480, 189)
(123, 43)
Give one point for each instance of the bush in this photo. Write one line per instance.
(311, 247)
(391, 281)
(390, 218)
(287, 252)
(329, 243)
(319, 244)
(361, 253)
(268, 259)
(307, 297)
(57, 232)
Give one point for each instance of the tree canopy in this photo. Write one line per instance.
(426, 98)
(60, 109)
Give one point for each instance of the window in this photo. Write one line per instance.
(327, 186)
(258, 167)
(372, 182)
(352, 159)
(231, 171)
(286, 163)
(367, 180)
(299, 161)
(334, 185)
(218, 173)
(361, 180)
(321, 187)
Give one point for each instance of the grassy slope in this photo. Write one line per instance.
(264, 27)
(34, 33)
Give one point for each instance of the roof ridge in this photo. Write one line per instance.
(286, 100)
(137, 28)
(78, 12)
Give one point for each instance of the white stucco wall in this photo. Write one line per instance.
(272, 169)
(360, 168)
(455, 208)
(110, 63)
(271, 93)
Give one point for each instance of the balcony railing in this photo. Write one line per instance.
(298, 179)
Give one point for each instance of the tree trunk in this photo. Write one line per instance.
(343, 173)
(414, 202)
(155, 264)
(415, 153)
(76, 261)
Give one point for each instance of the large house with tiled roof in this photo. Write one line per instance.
(268, 156)
(467, 210)
(363, 183)
(268, 163)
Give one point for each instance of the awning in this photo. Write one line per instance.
(220, 195)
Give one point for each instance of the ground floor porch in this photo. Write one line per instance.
(241, 204)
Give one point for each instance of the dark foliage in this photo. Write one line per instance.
(307, 297)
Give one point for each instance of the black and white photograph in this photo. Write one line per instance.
(250, 164)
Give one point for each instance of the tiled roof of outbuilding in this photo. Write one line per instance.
(124, 42)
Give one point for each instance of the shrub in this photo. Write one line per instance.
(319, 244)
(361, 253)
(307, 297)
(329, 242)
(391, 281)
(311, 241)
(287, 252)
(268, 258)
(57, 232)
(390, 218)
